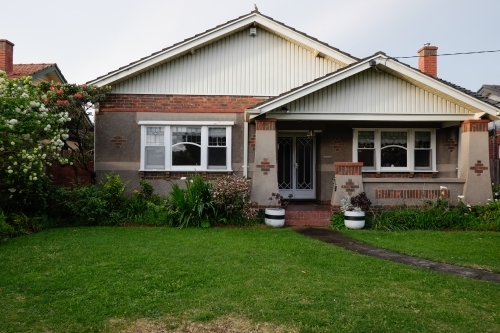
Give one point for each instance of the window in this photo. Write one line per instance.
(185, 145)
(395, 149)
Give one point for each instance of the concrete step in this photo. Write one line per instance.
(306, 222)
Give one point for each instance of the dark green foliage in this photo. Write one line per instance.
(437, 215)
(191, 207)
(338, 222)
(100, 204)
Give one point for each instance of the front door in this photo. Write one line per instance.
(296, 166)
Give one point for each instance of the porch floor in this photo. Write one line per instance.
(307, 214)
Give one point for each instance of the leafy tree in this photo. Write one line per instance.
(78, 101)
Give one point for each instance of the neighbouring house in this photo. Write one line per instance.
(258, 98)
(39, 72)
(492, 92)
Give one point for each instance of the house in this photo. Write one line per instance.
(39, 72)
(258, 98)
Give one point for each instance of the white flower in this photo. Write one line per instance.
(12, 190)
(460, 196)
(34, 104)
(13, 143)
(183, 178)
(13, 121)
(10, 171)
(34, 178)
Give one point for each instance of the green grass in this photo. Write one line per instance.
(475, 249)
(109, 279)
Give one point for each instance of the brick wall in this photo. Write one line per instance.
(177, 103)
(64, 175)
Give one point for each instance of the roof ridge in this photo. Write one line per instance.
(218, 26)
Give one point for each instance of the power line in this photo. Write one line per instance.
(446, 54)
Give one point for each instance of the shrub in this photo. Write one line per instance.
(191, 207)
(100, 204)
(437, 215)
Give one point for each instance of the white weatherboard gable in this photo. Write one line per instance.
(266, 65)
(405, 93)
(191, 45)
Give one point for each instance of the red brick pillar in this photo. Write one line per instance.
(265, 174)
(474, 164)
(348, 180)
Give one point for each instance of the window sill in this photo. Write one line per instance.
(414, 180)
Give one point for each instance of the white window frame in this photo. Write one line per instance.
(204, 125)
(410, 149)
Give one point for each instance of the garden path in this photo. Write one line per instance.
(339, 239)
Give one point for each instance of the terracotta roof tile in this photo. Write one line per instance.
(20, 70)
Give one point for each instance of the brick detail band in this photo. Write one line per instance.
(168, 175)
(337, 144)
(350, 186)
(478, 168)
(451, 144)
(177, 103)
(252, 141)
(118, 140)
(348, 168)
(265, 166)
(475, 125)
(411, 194)
(266, 124)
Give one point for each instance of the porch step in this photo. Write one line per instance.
(308, 218)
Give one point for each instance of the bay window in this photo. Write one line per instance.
(395, 149)
(185, 145)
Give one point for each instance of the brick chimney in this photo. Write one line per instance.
(427, 61)
(6, 56)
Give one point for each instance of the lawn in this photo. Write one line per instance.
(191, 280)
(474, 249)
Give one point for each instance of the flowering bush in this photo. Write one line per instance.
(31, 134)
(78, 101)
(231, 198)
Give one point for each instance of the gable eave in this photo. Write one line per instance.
(392, 67)
(210, 36)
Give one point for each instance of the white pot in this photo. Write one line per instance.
(354, 220)
(275, 217)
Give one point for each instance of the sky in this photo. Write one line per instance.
(90, 38)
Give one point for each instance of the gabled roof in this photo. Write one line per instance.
(36, 71)
(254, 18)
(466, 98)
(491, 93)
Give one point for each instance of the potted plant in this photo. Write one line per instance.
(354, 209)
(275, 212)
